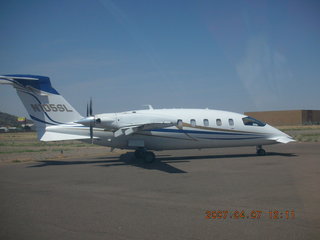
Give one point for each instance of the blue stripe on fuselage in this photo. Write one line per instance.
(241, 138)
(202, 132)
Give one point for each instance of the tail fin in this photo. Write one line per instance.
(44, 104)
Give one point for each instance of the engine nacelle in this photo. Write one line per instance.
(107, 121)
(116, 121)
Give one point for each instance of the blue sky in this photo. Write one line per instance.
(234, 55)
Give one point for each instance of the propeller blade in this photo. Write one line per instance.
(90, 110)
(87, 110)
(91, 133)
(89, 120)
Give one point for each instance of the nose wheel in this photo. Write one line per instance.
(144, 155)
(260, 151)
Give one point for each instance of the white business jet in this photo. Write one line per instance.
(141, 130)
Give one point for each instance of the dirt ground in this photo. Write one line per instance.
(307, 133)
(25, 147)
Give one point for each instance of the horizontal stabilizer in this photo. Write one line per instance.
(53, 136)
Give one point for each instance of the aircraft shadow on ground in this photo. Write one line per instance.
(226, 156)
(162, 162)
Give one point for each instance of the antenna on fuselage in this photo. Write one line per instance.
(149, 106)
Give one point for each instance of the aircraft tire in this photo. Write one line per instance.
(261, 152)
(149, 157)
(139, 153)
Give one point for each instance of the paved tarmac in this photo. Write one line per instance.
(114, 197)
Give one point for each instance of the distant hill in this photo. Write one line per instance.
(8, 120)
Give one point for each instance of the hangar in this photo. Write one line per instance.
(287, 118)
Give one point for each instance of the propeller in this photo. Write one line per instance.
(90, 120)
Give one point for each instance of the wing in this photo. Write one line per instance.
(128, 130)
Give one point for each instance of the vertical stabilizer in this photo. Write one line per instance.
(44, 104)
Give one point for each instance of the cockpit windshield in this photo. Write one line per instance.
(249, 121)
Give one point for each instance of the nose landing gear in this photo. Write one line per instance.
(144, 155)
(260, 151)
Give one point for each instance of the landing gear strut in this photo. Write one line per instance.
(144, 155)
(260, 151)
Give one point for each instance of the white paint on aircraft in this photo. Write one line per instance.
(151, 129)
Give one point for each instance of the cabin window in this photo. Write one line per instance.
(179, 123)
(249, 121)
(193, 122)
(231, 122)
(219, 122)
(206, 122)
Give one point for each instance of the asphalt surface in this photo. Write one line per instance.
(115, 197)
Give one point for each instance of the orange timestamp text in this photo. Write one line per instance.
(250, 214)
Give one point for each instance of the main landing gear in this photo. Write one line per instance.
(144, 155)
(260, 151)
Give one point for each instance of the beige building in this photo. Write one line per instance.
(287, 118)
